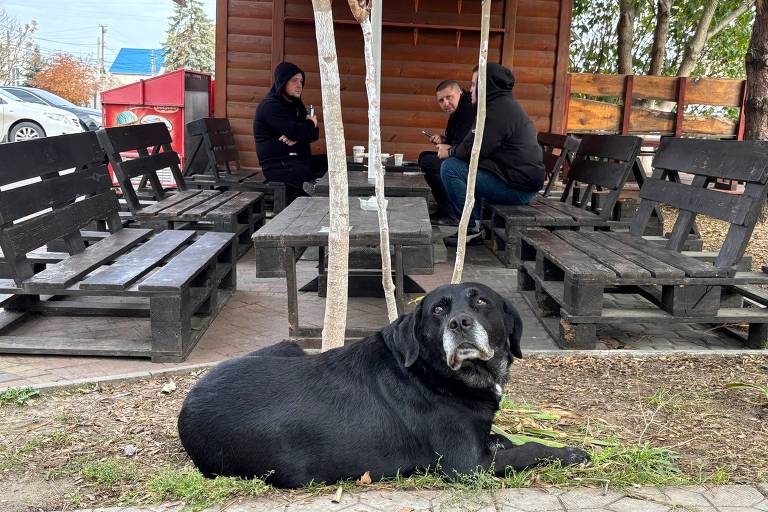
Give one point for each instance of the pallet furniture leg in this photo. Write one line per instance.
(171, 326)
(757, 336)
(512, 257)
(583, 298)
(577, 336)
(289, 266)
(278, 198)
(525, 283)
(229, 257)
(546, 304)
(683, 300)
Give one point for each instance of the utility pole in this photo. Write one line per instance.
(101, 57)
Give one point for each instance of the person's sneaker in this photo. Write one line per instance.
(446, 220)
(309, 187)
(474, 237)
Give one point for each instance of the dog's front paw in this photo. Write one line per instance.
(570, 456)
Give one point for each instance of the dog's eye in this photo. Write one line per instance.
(482, 301)
(438, 310)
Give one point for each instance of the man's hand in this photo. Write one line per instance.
(286, 140)
(313, 119)
(442, 151)
(437, 139)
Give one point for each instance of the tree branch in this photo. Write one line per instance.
(741, 9)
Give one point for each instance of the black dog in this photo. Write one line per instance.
(421, 393)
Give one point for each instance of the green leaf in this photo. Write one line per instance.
(518, 440)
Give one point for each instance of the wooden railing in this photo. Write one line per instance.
(618, 109)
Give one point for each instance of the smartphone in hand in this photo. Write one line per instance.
(428, 135)
(311, 110)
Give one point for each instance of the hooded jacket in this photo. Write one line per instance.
(510, 149)
(461, 121)
(277, 116)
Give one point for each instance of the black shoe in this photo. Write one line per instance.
(474, 237)
(308, 187)
(446, 220)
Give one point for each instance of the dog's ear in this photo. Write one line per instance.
(402, 337)
(514, 327)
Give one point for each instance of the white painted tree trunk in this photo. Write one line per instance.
(469, 202)
(335, 322)
(361, 12)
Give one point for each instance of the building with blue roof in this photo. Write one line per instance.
(145, 62)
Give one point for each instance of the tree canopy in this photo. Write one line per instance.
(68, 77)
(190, 39)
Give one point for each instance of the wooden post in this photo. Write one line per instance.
(361, 10)
(629, 82)
(741, 126)
(335, 322)
(220, 101)
(278, 32)
(558, 120)
(682, 87)
(469, 202)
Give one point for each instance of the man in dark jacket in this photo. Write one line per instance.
(283, 132)
(511, 167)
(461, 117)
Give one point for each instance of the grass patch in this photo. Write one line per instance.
(60, 439)
(18, 396)
(198, 492)
(107, 472)
(16, 459)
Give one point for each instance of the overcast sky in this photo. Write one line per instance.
(74, 26)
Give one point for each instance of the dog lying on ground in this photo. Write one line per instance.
(421, 393)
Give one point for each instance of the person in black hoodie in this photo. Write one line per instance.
(283, 132)
(461, 117)
(511, 166)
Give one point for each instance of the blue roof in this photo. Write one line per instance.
(137, 61)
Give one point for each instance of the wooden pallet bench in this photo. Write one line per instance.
(566, 275)
(177, 279)
(205, 210)
(558, 151)
(221, 169)
(601, 161)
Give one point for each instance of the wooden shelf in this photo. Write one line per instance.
(397, 24)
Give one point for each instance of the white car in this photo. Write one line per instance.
(24, 121)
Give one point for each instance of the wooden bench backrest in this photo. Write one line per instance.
(219, 144)
(558, 152)
(40, 182)
(152, 142)
(707, 160)
(603, 161)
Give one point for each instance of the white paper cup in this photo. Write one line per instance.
(357, 154)
(398, 159)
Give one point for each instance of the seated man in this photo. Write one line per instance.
(461, 118)
(511, 167)
(283, 131)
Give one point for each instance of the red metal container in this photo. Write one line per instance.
(175, 98)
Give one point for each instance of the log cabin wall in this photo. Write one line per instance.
(424, 42)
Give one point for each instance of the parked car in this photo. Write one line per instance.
(90, 118)
(23, 121)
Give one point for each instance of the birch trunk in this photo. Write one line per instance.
(660, 36)
(626, 30)
(756, 108)
(469, 202)
(361, 12)
(335, 323)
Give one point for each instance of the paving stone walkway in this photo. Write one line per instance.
(256, 316)
(726, 498)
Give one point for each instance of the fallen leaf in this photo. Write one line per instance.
(337, 496)
(170, 387)
(407, 509)
(365, 479)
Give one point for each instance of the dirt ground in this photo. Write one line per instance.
(100, 445)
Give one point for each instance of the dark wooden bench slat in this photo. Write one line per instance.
(76, 266)
(226, 155)
(623, 267)
(128, 138)
(656, 267)
(205, 207)
(600, 173)
(221, 139)
(19, 202)
(527, 215)
(33, 233)
(571, 260)
(612, 147)
(726, 207)
(173, 211)
(130, 267)
(234, 206)
(161, 205)
(145, 165)
(580, 217)
(178, 272)
(691, 266)
(736, 160)
(29, 159)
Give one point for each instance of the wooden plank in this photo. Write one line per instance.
(727, 207)
(623, 267)
(575, 263)
(173, 211)
(200, 211)
(714, 91)
(178, 272)
(612, 147)
(33, 233)
(130, 267)
(20, 202)
(178, 197)
(68, 271)
(221, 52)
(224, 156)
(656, 267)
(610, 175)
(142, 166)
(682, 88)
(626, 114)
(32, 158)
(561, 95)
(234, 206)
(278, 32)
(580, 217)
(737, 160)
(508, 44)
(57, 345)
(128, 138)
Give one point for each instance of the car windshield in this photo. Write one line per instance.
(8, 97)
(24, 96)
(53, 99)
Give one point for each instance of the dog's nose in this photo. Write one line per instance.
(461, 323)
